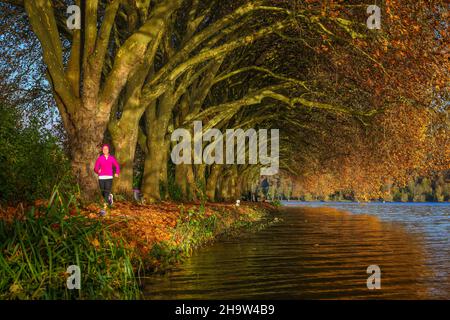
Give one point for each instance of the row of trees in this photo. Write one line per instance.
(137, 70)
(420, 189)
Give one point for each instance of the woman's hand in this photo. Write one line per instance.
(116, 175)
(99, 170)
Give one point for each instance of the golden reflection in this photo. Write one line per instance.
(356, 241)
(314, 253)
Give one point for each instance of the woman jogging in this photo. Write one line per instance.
(104, 169)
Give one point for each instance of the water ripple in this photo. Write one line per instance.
(319, 252)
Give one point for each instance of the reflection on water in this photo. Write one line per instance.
(318, 252)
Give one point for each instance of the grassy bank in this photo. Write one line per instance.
(198, 226)
(39, 242)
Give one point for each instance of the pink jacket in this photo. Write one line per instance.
(106, 165)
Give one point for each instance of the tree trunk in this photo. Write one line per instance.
(124, 134)
(180, 179)
(163, 178)
(153, 165)
(191, 192)
(157, 122)
(211, 182)
(200, 177)
(234, 184)
(84, 150)
(238, 185)
(226, 187)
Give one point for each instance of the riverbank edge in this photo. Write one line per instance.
(192, 234)
(197, 225)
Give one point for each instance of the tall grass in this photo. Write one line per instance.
(37, 247)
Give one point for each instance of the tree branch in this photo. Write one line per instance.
(40, 13)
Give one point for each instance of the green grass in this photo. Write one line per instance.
(276, 203)
(35, 253)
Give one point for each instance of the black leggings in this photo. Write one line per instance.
(105, 187)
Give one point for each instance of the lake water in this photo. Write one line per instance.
(322, 251)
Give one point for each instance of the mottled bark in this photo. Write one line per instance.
(157, 122)
(184, 179)
(163, 175)
(211, 182)
(237, 184)
(224, 187)
(200, 175)
(84, 148)
(124, 136)
(233, 183)
(180, 179)
(153, 165)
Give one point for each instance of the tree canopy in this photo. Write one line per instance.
(355, 107)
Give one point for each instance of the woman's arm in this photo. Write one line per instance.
(116, 164)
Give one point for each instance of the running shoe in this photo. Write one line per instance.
(111, 199)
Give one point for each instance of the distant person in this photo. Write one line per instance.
(104, 169)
